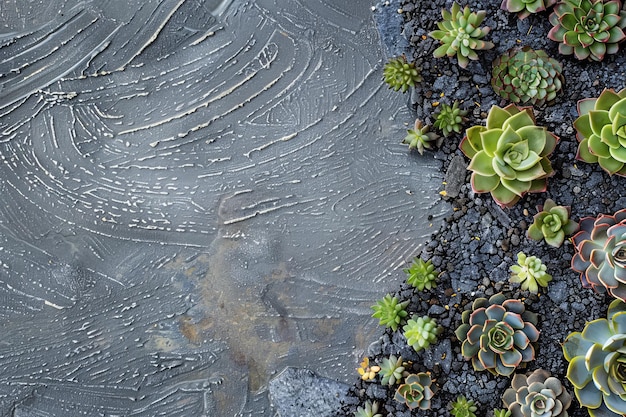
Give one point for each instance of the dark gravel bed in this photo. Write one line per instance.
(479, 241)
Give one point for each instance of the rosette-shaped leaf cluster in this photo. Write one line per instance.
(370, 410)
(510, 155)
(601, 131)
(450, 118)
(601, 253)
(460, 34)
(391, 370)
(400, 74)
(416, 392)
(597, 363)
(420, 137)
(589, 29)
(552, 223)
(530, 272)
(497, 334)
(421, 275)
(421, 332)
(537, 394)
(462, 407)
(390, 311)
(502, 412)
(523, 75)
(525, 8)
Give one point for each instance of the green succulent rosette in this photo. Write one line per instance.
(416, 391)
(420, 137)
(509, 157)
(400, 74)
(552, 223)
(525, 8)
(589, 29)
(597, 363)
(497, 334)
(601, 131)
(537, 394)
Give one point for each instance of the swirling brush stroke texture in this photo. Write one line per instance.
(195, 194)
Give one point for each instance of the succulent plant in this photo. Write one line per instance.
(416, 391)
(400, 74)
(462, 407)
(536, 394)
(420, 137)
(601, 253)
(525, 8)
(366, 371)
(597, 363)
(552, 223)
(509, 157)
(502, 412)
(370, 410)
(601, 131)
(497, 334)
(589, 29)
(390, 311)
(420, 332)
(391, 370)
(530, 272)
(523, 75)
(450, 118)
(460, 34)
(421, 275)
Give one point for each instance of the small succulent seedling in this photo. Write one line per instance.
(589, 29)
(525, 8)
(552, 223)
(501, 412)
(510, 156)
(416, 391)
(400, 74)
(523, 75)
(537, 394)
(390, 311)
(370, 410)
(421, 332)
(601, 131)
(460, 34)
(462, 407)
(450, 118)
(391, 370)
(421, 275)
(497, 334)
(530, 272)
(366, 371)
(420, 137)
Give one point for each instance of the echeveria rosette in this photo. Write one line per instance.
(420, 137)
(552, 223)
(525, 8)
(530, 272)
(497, 334)
(509, 157)
(421, 332)
(416, 391)
(460, 34)
(589, 29)
(601, 131)
(537, 394)
(400, 74)
(601, 253)
(597, 363)
(450, 118)
(524, 75)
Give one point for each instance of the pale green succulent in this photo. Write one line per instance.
(530, 272)
(450, 118)
(460, 34)
(537, 394)
(421, 332)
(416, 391)
(525, 8)
(391, 370)
(510, 156)
(597, 363)
(502, 412)
(552, 223)
(370, 410)
(390, 311)
(420, 137)
(601, 131)
(400, 74)
(421, 275)
(462, 407)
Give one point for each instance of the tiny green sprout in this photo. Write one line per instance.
(420, 137)
(421, 332)
(370, 410)
(462, 407)
(400, 74)
(421, 275)
(390, 311)
(391, 370)
(501, 412)
(450, 118)
(530, 272)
